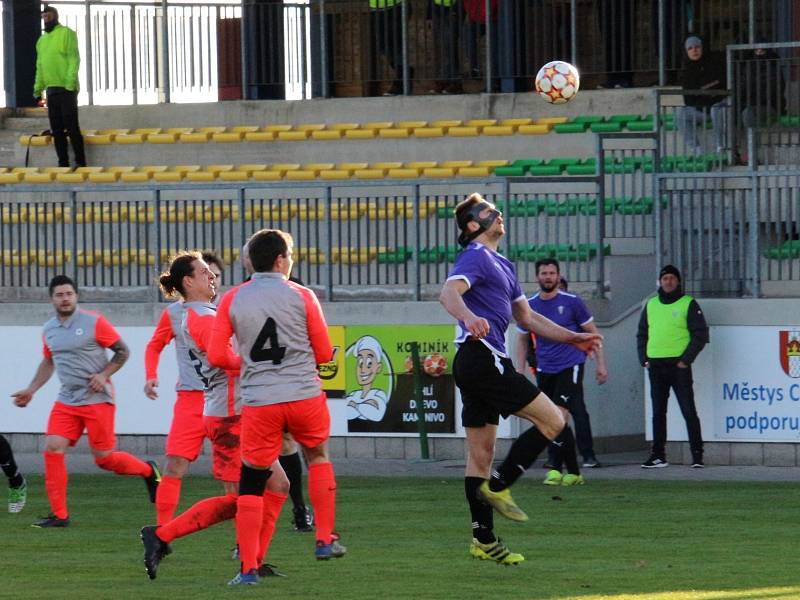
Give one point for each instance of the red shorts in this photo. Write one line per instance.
(308, 421)
(224, 435)
(187, 432)
(97, 419)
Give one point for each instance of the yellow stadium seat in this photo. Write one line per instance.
(350, 167)
(98, 140)
(243, 129)
(491, 164)
(103, 177)
(5, 170)
(421, 164)
(394, 133)
(88, 258)
(38, 177)
(498, 130)
(234, 175)
(180, 130)
(136, 177)
(214, 129)
(10, 178)
(200, 176)
(185, 168)
(13, 217)
(376, 125)
(392, 209)
(277, 128)
(309, 127)
(267, 175)
(176, 213)
(463, 131)
(152, 169)
(218, 168)
(166, 254)
(428, 132)
(403, 173)
(311, 255)
(229, 255)
(116, 258)
(480, 122)
(130, 138)
(89, 169)
(334, 174)
(147, 130)
(46, 215)
(168, 176)
(300, 175)
(216, 212)
(113, 131)
(250, 167)
(360, 134)
(275, 212)
(259, 136)
(343, 126)
(140, 214)
(52, 258)
(227, 137)
(35, 140)
(386, 165)
(311, 211)
(25, 170)
(115, 213)
(516, 122)
(447, 123)
(551, 120)
(56, 170)
(327, 134)
(197, 137)
(143, 257)
(118, 169)
(455, 164)
(162, 138)
(317, 167)
(474, 171)
(537, 129)
(16, 258)
(71, 177)
(346, 212)
(438, 172)
(369, 173)
(293, 136)
(411, 124)
(283, 167)
(352, 256)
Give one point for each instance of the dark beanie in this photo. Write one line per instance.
(670, 270)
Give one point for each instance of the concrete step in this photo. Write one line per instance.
(27, 124)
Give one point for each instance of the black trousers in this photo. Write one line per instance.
(62, 109)
(663, 376)
(565, 388)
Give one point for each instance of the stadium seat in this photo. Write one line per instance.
(162, 138)
(35, 140)
(199, 176)
(411, 124)
(38, 177)
(282, 168)
(498, 130)
(395, 133)
(234, 175)
(428, 132)
(216, 169)
(311, 255)
(136, 177)
(392, 209)
(106, 177)
(267, 175)
(535, 129)
(551, 120)
(16, 258)
(311, 211)
(328, 134)
(455, 164)
(277, 128)
(369, 173)
(420, 164)
(352, 167)
(259, 136)
(317, 167)
(403, 173)
(196, 137)
(300, 175)
(216, 212)
(251, 167)
(98, 139)
(56, 170)
(87, 258)
(227, 137)
(438, 172)
(49, 214)
(481, 123)
(337, 174)
(474, 171)
(361, 134)
(516, 122)
(12, 216)
(447, 124)
(293, 136)
(395, 256)
(348, 210)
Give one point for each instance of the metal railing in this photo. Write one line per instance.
(174, 51)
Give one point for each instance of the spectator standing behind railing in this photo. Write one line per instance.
(57, 62)
(476, 25)
(761, 88)
(702, 70)
(446, 19)
(386, 40)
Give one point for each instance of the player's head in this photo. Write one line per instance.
(369, 354)
(49, 15)
(189, 276)
(548, 274)
(694, 47)
(669, 278)
(246, 262)
(63, 295)
(476, 217)
(214, 263)
(271, 250)
(563, 285)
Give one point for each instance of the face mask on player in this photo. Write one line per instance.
(473, 213)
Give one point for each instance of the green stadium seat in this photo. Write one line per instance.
(571, 127)
(607, 127)
(395, 256)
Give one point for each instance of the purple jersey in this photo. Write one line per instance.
(493, 288)
(571, 313)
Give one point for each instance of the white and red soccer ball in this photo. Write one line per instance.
(558, 82)
(434, 364)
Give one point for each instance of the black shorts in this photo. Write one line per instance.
(564, 388)
(490, 386)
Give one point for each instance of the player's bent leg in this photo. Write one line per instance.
(275, 495)
(169, 490)
(17, 487)
(123, 463)
(249, 517)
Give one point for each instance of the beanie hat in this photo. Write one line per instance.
(692, 42)
(669, 270)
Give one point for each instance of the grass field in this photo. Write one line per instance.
(407, 538)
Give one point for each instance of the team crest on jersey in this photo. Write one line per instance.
(561, 310)
(79, 331)
(789, 350)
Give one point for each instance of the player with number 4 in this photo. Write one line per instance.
(282, 337)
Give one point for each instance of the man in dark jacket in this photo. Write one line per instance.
(761, 88)
(672, 332)
(702, 70)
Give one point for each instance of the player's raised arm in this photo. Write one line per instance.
(532, 321)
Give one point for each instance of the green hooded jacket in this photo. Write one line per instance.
(57, 60)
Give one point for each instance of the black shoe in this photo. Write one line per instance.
(152, 481)
(303, 520)
(267, 570)
(591, 463)
(154, 550)
(548, 466)
(697, 461)
(51, 521)
(655, 462)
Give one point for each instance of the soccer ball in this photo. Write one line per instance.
(434, 364)
(558, 82)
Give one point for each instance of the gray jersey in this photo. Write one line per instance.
(282, 337)
(221, 393)
(77, 347)
(168, 328)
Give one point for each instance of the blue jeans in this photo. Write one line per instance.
(692, 121)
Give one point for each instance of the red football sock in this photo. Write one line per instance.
(249, 511)
(55, 482)
(273, 503)
(123, 463)
(322, 493)
(202, 515)
(167, 497)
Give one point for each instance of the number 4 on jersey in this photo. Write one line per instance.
(275, 352)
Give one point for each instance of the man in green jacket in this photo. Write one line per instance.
(57, 62)
(672, 332)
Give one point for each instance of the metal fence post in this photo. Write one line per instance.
(662, 45)
(323, 50)
(600, 281)
(751, 22)
(753, 215)
(573, 42)
(165, 78)
(73, 202)
(134, 57)
(243, 51)
(489, 48)
(422, 427)
(329, 223)
(404, 47)
(417, 246)
(156, 229)
(89, 67)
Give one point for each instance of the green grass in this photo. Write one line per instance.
(407, 538)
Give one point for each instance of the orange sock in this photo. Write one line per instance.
(123, 463)
(249, 511)
(55, 482)
(322, 493)
(273, 503)
(202, 515)
(167, 497)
